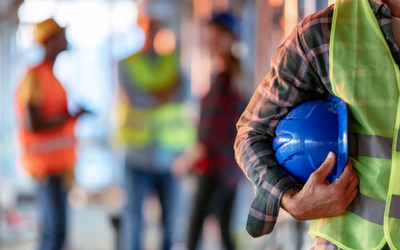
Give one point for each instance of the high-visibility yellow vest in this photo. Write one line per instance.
(172, 129)
(364, 74)
(166, 125)
(153, 74)
(135, 125)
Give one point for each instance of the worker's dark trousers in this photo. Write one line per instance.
(52, 201)
(211, 197)
(138, 185)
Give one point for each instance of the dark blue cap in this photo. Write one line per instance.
(227, 21)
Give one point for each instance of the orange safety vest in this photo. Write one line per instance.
(49, 151)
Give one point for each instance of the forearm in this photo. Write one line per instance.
(256, 158)
(34, 121)
(292, 81)
(195, 153)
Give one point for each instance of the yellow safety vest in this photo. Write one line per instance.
(172, 129)
(364, 74)
(135, 125)
(166, 125)
(153, 74)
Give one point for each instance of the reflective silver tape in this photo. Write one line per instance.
(394, 210)
(51, 145)
(368, 208)
(374, 146)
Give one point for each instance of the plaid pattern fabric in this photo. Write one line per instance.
(299, 73)
(322, 244)
(220, 110)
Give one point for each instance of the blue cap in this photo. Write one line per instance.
(227, 21)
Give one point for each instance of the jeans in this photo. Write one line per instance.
(52, 201)
(138, 184)
(211, 197)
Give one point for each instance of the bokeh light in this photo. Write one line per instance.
(164, 42)
(276, 3)
(90, 25)
(123, 15)
(36, 11)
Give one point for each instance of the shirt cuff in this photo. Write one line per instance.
(265, 207)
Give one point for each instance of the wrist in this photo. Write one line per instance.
(288, 200)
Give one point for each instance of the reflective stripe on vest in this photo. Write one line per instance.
(371, 146)
(51, 145)
(364, 74)
(373, 210)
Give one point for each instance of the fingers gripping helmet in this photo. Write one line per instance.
(308, 133)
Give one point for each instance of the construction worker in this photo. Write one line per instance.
(46, 131)
(349, 50)
(213, 155)
(154, 130)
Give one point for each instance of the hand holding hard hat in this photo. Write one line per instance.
(319, 198)
(311, 145)
(308, 133)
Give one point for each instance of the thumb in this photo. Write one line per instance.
(322, 172)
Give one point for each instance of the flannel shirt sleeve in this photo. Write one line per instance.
(293, 80)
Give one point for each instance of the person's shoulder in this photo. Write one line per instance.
(30, 89)
(314, 30)
(312, 21)
(30, 76)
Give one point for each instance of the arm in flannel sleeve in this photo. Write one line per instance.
(293, 80)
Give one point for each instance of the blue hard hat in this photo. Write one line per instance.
(308, 133)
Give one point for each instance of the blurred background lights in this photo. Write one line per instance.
(36, 11)
(25, 36)
(92, 171)
(164, 42)
(128, 42)
(65, 12)
(90, 24)
(123, 16)
(276, 3)
(239, 49)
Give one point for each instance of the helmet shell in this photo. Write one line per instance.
(308, 133)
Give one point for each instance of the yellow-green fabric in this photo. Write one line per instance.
(364, 74)
(153, 73)
(135, 125)
(172, 129)
(166, 125)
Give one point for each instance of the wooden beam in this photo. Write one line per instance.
(291, 15)
(263, 40)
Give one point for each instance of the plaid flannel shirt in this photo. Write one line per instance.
(220, 110)
(299, 73)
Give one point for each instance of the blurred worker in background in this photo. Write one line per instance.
(213, 155)
(46, 131)
(153, 128)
